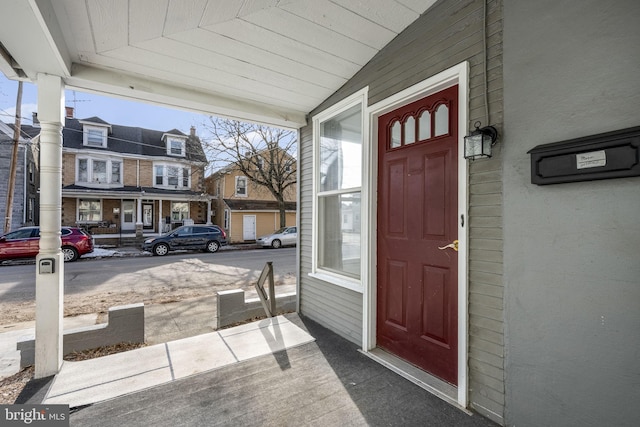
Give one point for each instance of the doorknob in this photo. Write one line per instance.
(453, 245)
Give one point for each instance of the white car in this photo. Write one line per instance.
(286, 236)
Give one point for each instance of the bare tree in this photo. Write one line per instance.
(265, 155)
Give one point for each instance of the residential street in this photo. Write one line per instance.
(94, 285)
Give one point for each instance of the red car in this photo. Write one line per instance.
(24, 243)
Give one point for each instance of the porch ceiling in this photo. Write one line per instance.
(270, 61)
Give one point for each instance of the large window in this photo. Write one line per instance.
(89, 210)
(172, 176)
(98, 171)
(338, 177)
(179, 211)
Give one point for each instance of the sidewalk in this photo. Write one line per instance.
(95, 380)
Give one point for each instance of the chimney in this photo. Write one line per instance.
(34, 119)
(69, 112)
(193, 131)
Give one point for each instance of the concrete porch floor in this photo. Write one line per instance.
(301, 381)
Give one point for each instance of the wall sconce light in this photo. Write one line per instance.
(478, 144)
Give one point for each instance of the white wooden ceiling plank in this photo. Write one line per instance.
(218, 63)
(313, 35)
(146, 19)
(251, 6)
(164, 68)
(220, 11)
(74, 23)
(342, 21)
(184, 15)
(391, 15)
(418, 6)
(109, 21)
(243, 52)
(266, 40)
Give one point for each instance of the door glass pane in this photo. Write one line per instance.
(442, 120)
(341, 151)
(339, 228)
(424, 126)
(410, 131)
(396, 135)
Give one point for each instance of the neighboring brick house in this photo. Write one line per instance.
(130, 180)
(246, 210)
(25, 210)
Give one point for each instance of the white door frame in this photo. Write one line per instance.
(127, 226)
(244, 231)
(459, 75)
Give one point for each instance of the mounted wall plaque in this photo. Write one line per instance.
(603, 156)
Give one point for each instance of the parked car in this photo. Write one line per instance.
(191, 237)
(25, 243)
(286, 236)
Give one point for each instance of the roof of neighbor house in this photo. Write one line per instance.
(26, 131)
(131, 140)
(257, 205)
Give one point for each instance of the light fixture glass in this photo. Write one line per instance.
(477, 145)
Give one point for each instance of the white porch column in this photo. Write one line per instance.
(49, 262)
(209, 211)
(139, 226)
(160, 216)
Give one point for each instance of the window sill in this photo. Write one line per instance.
(343, 282)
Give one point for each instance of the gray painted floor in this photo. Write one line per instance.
(323, 383)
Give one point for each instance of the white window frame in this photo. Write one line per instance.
(246, 186)
(165, 176)
(85, 135)
(109, 164)
(183, 146)
(355, 284)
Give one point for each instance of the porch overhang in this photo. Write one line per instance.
(270, 62)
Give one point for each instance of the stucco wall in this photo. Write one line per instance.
(572, 251)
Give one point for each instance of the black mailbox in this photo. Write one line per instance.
(603, 156)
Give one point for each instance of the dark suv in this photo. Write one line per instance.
(188, 237)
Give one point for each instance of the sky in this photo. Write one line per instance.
(112, 110)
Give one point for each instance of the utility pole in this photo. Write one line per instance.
(14, 161)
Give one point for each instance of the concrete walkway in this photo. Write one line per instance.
(95, 380)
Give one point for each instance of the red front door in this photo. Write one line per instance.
(417, 214)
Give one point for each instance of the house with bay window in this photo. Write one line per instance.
(129, 180)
